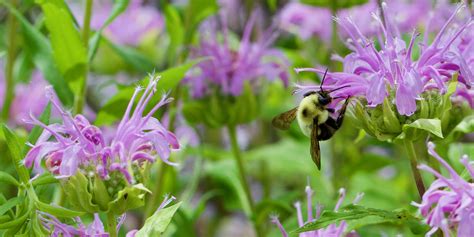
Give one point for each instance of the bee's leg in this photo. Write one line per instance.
(342, 112)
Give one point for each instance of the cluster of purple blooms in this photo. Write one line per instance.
(332, 230)
(76, 145)
(397, 67)
(448, 204)
(228, 68)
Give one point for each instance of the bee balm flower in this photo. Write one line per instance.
(77, 146)
(448, 204)
(229, 67)
(394, 70)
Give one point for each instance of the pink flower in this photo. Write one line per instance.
(229, 67)
(448, 204)
(376, 73)
(76, 145)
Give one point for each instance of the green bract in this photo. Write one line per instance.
(218, 111)
(92, 195)
(436, 116)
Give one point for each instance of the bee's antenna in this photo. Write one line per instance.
(322, 81)
(342, 87)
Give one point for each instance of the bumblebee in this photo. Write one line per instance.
(313, 118)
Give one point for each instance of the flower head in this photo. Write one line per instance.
(28, 98)
(306, 21)
(376, 74)
(230, 67)
(332, 230)
(76, 145)
(448, 204)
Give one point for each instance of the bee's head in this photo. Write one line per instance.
(324, 98)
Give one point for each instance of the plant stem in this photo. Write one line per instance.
(414, 163)
(79, 100)
(242, 175)
(111, 224)
(12, 26)
(157, 191)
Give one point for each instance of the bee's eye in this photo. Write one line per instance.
(324, 100)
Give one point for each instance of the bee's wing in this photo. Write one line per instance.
(315, 151)
(283, 121)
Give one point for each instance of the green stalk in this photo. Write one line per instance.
(157, 191)
(12, 26)
(79, 100)
(414, 163)
(242, 176)
(111, 224)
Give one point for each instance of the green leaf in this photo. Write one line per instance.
(119, 8)
(18, 221)
(158, 222)
(100, 194)
(23, 67)
(464, 127)
(41, 52)
(15, 153)
(132, 57)
(129, 198)
(45, 178)
(57, 211)
(115, 107)
(78, 194)
(171, 77)
(390, 119)
(68, 49)
(358, 216)
(176, 31)
(37, 130)
(7, 178)
(411, 131)
(197, 11)
(9, 205)
(336, 5)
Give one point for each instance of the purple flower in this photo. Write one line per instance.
(375, 74)
(230, 67)
(448, 204)
(306, 21)
(76, 145)
(29, 98)
(332, 230)
(131, 27)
